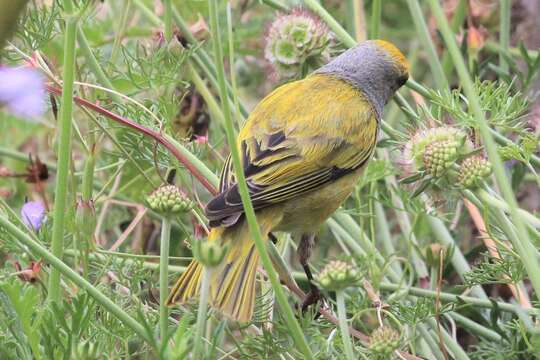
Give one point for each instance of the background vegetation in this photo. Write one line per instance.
(440, 238)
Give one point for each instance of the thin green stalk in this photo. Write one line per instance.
(290, 319)
(376, 10)
(432, 344)
(343, 326)
(475, 328)
(234, 92)
(78, 280)
(522, 243)
(447, 298)
(64, 147)
(457, 20)
(425, 37)
(167, 19)
(94, 65)
(340, 32)
(206, 94)
(451, 344)
(383, 233)
(494, 202)
(164, 277)
(200, 326)
(504, 32)
(120, 31)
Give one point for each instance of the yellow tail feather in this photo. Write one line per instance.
(232, 284)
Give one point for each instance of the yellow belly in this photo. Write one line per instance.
(306, 213)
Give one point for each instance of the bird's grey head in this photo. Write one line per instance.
(375, 67)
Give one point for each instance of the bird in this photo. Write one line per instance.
(303, 149)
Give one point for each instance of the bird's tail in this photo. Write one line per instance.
(232, 284)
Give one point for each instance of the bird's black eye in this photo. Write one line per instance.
(402, 80)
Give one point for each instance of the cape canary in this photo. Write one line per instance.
(304, 147)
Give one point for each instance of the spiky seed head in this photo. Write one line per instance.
(434, 149)
(295, 40)
(383, 342)
(168, 200)
(473, 170)
(209, 253)
(337, 275)
(439, 156)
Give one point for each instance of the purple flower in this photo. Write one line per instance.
(33, 214)
(22, 91)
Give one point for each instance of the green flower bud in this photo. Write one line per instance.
(473, 170)
(383, 342)
(337, 275)
(168, 199)
(297, 39)
(434, 149)
(439, 156)
(209, 253)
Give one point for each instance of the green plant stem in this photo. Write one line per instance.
(494, 202)
(475, 328)
(457, 20)
(164, 277)
(200, 326)
(447, 298)
(451, 344)
(206, 94)
(425, 37)
(167, 19)
(504, 32)
(78, 280)
(522, 243)
(94, 65)
(343, 327)
(234, 92)
(120, 31)
(340, 32)
(290, 319)
(376, 10)
(64, 148)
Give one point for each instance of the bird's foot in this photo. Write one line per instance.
(313, 297)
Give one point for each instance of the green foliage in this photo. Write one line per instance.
(398, 209)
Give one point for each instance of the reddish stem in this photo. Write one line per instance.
(138, 127)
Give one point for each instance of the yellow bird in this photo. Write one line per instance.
(304, 147)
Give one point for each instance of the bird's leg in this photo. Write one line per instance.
(304, 253)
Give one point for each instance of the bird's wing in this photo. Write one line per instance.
(301, 137)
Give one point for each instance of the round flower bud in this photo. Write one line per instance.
(439, 156)
(337, 275)
(434, 149)
(473, 170)
(295, 40)
(168, 199)
(209, 253)
(383, 342)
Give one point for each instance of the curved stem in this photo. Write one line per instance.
(164, 277)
